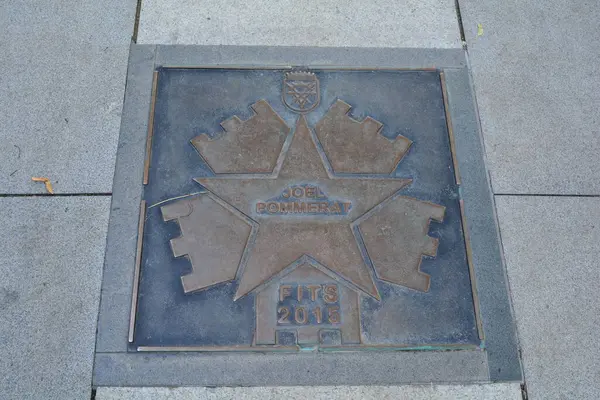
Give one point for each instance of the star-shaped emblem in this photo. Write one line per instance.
(326, 234)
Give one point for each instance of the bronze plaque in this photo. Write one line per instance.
(291, 209)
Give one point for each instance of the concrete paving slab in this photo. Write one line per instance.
(355, 23)
(269, 369)
(499, 391)
(52, 251)
(63, 76)
(551, 248)
(535, 75)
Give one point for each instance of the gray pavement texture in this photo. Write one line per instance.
(52, 250)
(534, 67)
(354, 23)
(552, 249)
(499, 391)
(270, 369)
(63, 77)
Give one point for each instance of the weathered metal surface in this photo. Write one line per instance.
(358, 147)
(311, 227)
(213, 238)
(308, 304)
(136, 275)
(245, 146)
(150, 128)
(395, 234)
(284, 234)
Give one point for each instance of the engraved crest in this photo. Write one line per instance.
(301, 91)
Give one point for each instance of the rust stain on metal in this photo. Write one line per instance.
(450, 130)
(150, 128)
(480, 331)
(136, 276)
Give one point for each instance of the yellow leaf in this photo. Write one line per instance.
(479, 30)
(46, 182)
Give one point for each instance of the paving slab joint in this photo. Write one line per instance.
(460, 24)
(524, 393)
(524, 389)
(136, 23)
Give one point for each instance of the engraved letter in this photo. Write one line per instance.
(330, 294)
(323, 207)
(347, 206)
(300, 292)
(300, 315)
(286, 193)
(260, 207)
(285, 313)
(334, 314)
(284, 291)
(310, 191)
(318, 315)
(335, 208)
(314, 289)
(285, 208)
(298, 192)
(299, 207)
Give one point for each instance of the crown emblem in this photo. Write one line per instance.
(301, 91)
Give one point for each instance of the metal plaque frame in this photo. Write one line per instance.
(115, 365)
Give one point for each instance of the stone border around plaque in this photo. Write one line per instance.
(120, 361)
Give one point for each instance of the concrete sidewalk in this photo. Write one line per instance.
(61, 95)
(499, 391)
(534, 70)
